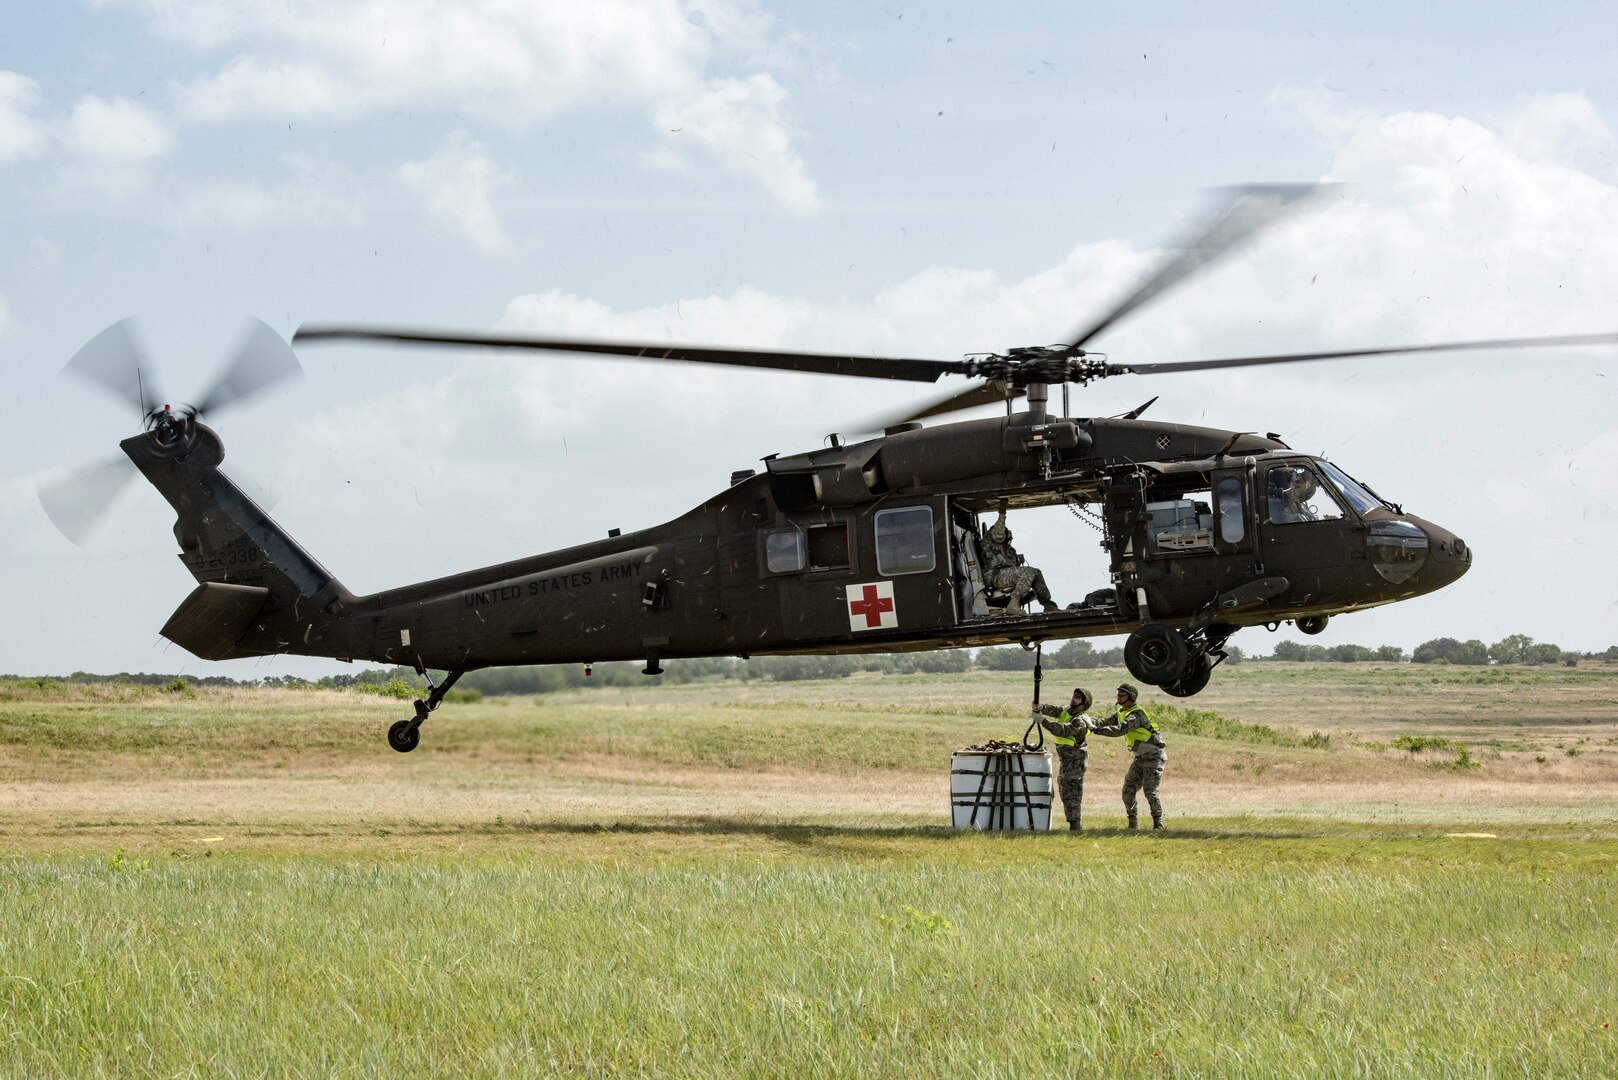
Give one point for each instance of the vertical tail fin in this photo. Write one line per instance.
(259, 591)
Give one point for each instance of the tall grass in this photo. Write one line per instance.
(977, 958)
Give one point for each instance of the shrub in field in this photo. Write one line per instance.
(1212, 725)
(393, 688)
(1418, 743)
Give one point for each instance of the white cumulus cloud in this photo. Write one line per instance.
(1557, 126)
(22, 133)
(512, 65)
(115, 130)
(101, 144)
(458, 183)
(739, 122)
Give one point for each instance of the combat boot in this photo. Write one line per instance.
(1157, 823)
(1132, 824)
(1074, 826)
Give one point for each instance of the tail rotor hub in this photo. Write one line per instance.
(173, 430)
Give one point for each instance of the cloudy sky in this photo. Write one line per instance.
(919, 180)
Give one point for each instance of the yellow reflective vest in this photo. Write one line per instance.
(1139, 733)
(1063, 740)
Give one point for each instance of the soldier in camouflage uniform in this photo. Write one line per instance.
(1003, 571)
(1069, 729)
(1146, 745)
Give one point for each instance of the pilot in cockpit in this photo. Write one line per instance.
(1291, 487)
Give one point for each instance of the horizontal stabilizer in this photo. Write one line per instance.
(214, 617)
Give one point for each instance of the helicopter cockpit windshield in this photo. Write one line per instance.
(1361, 498)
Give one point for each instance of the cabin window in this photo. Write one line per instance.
(1177, 526)
(784, 551)
(1294, 496)
(828, 547)
(904, 541)
(1232, 522)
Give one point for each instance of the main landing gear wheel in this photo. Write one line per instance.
(1156, 654)
(404, 736)
(1194, 681)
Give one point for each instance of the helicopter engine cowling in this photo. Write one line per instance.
(1060, 435)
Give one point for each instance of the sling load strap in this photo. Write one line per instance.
(1034, 726)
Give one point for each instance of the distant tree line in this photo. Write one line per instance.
(1515, 649)
(1337, 654)
(1074, 655)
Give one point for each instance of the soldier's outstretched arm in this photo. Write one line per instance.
(1070, 729)
(1112, 727)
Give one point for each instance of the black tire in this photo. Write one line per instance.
(1313, 624)
(1155, 654)
(404, 736)
(1194, 681)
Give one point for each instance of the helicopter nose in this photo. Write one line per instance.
(1449, 557)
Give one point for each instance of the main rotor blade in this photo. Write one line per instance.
(116, 361)
(868, 367)
(1247, 211)
(1349, 354)
(988, 392)
(261, 359)
(76, 502)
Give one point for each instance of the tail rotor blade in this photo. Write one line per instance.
(262, 358)
(77, 502)
(115, 360)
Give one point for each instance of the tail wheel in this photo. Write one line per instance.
(1156, 654)
(1194, 681)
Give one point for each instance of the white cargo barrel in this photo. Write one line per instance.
(995, 788)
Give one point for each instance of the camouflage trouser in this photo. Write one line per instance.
(1144, 775)
(1070, 782)
(1021, 582)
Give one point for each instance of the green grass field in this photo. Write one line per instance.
(758, 879)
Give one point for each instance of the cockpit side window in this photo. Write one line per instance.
(1295, 496)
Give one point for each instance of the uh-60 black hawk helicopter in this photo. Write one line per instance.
(865, 546)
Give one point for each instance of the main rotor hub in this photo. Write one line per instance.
(1036, 365)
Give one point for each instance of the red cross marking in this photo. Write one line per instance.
(872, 606)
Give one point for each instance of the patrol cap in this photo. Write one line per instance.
(1131, 689)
